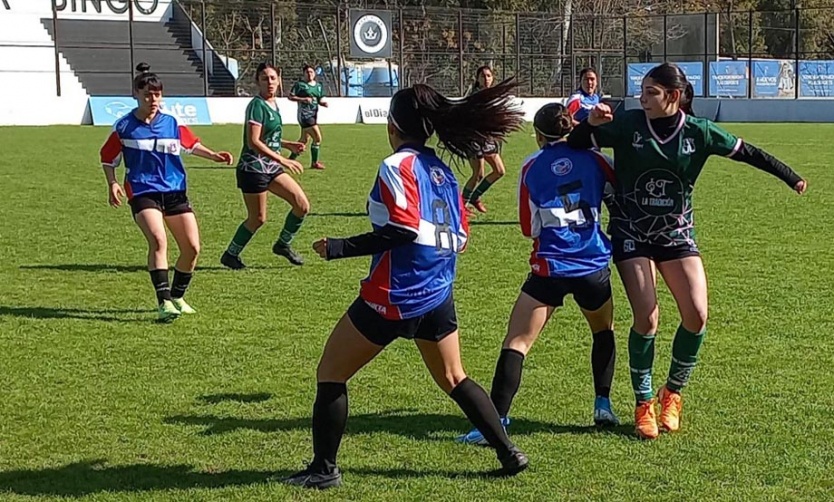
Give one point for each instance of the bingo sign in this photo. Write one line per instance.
(370, 34)
(694, 74)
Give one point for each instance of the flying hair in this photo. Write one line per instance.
(462, 126)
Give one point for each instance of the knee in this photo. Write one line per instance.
(499, 171)
(157, 243)
(327, 373)
(256, 221)
(452, 379)
(695, 319)
(301, 206)
(194, 249)
(645, 322)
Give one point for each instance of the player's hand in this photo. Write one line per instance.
(310, 100)
(224, 158)
(116, 194)
(600, 114)
(293, 166)
(295, 147)
(320, 247)
(800, 187)
(324, 103)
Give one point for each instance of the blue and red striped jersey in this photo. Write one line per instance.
(415, 190)
(151, 153)
(559, 203)
(580, 104)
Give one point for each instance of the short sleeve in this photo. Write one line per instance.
(399, 193)
(256, 114)
(188, 139)
(296, 88)
(720, 142)
(573, 105)
(111, 151)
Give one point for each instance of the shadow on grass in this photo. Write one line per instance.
(66, 313)
(94, 476)
(239, 398)
(102, 267)
(406, 423)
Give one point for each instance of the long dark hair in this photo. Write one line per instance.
(145, 79)
(553, 121)
(671, 77)
(462, 125)
(478, 73)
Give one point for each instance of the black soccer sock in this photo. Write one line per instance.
(478, 408)
(159, 278)
(603, 356)
(507, 380)
(181, 282)
(330, 413)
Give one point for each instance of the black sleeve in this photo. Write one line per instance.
(580, 136)
(388, 237)
(760, 159)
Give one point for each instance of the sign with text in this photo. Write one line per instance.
(106, 110)
(694, 73)
(728, 79)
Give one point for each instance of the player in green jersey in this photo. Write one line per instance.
(261, 169)
(309, 94)
(659, 152)
(477, 184)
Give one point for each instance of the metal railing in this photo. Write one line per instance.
(443, 47)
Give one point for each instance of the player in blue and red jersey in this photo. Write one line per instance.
(419, 227)
(150, 142)
(581, 102)
(561, 191)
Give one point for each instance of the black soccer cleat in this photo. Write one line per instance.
(231, 261)
(514, 462)
(287, 252)
(315, 479)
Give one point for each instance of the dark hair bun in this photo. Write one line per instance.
(553, 121)
(143, 68)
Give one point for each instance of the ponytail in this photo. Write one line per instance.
(687, 95)
(146, 79)
(462, 126)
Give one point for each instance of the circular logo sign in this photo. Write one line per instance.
(370, 34)
(659, 193)
(561, 167)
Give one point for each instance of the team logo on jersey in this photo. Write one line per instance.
(638, 140)
(438, 177)
(174, 148)
(658, 192)
(370, 33)
(688, 146)
(561, 167)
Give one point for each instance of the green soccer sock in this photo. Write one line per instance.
(314, 151)
(291, 226)
(640, 361)
(240, 240)
(480, 190)
(684, 357)
(467, 195)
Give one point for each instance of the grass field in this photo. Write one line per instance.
(98, 402)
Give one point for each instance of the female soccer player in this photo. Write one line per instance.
(559, 206)
(151, 142)
(660, 150)
(309, 94)
(490, 151)
(419, 227)
(586, 97)
(260, 171)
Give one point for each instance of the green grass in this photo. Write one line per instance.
(98, 402)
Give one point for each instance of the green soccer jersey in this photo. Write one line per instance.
(655, 178)
(308, 111)
(268, 117)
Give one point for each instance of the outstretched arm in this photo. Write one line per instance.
(758, 158)
(378, 241)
